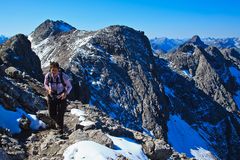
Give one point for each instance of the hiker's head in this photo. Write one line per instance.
(54, 68)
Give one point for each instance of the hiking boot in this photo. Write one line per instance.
(62, 136)
(55, 132)
(57, 126)
(54, 126)
(60, 131)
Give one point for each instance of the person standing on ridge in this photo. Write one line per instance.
(58, 86)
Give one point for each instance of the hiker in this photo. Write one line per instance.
(58, 86)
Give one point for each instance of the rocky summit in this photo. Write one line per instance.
(181, 105)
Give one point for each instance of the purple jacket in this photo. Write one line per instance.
(58, 87)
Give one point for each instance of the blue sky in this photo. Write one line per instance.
(157, 18)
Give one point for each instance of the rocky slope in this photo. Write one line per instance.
(48, 144)
(208, 81)
(21, 75)
(129, 83)
(19, 83)
(117, 65)
(19, 93)
(20, 90)
(188, 99)
(210, 70)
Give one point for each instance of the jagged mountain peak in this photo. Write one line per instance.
(57, 25)
(191, 45)
(196, 40)
(60, 25)
(121, 30)
(48, 28)
(119, 39)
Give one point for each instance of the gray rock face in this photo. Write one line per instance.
(17, 52)
(24, 92)
(10, 148)
(204, 88)
(14, 72)
(4, 155)
(209, 70)
(232, 55)
(195, 40)
(116, 65)
(20, 72)
(49, 28)
(93, 135)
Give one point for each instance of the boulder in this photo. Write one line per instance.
(14, 73)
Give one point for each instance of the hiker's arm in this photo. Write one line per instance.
(68, 83)
(46, 83)
(68, 86)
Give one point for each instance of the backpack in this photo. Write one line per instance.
(61, 71)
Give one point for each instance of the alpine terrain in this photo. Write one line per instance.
(126, 103)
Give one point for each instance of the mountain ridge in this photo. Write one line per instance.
(3, 39)
(165, 45)
(142, 95)
(120, 46)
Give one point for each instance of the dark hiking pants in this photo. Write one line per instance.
(56, 109)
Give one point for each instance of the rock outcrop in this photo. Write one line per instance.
(204, 81)
(17, 52)
(21, 76)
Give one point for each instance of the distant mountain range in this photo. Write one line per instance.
(2, 39)
(165, 45)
